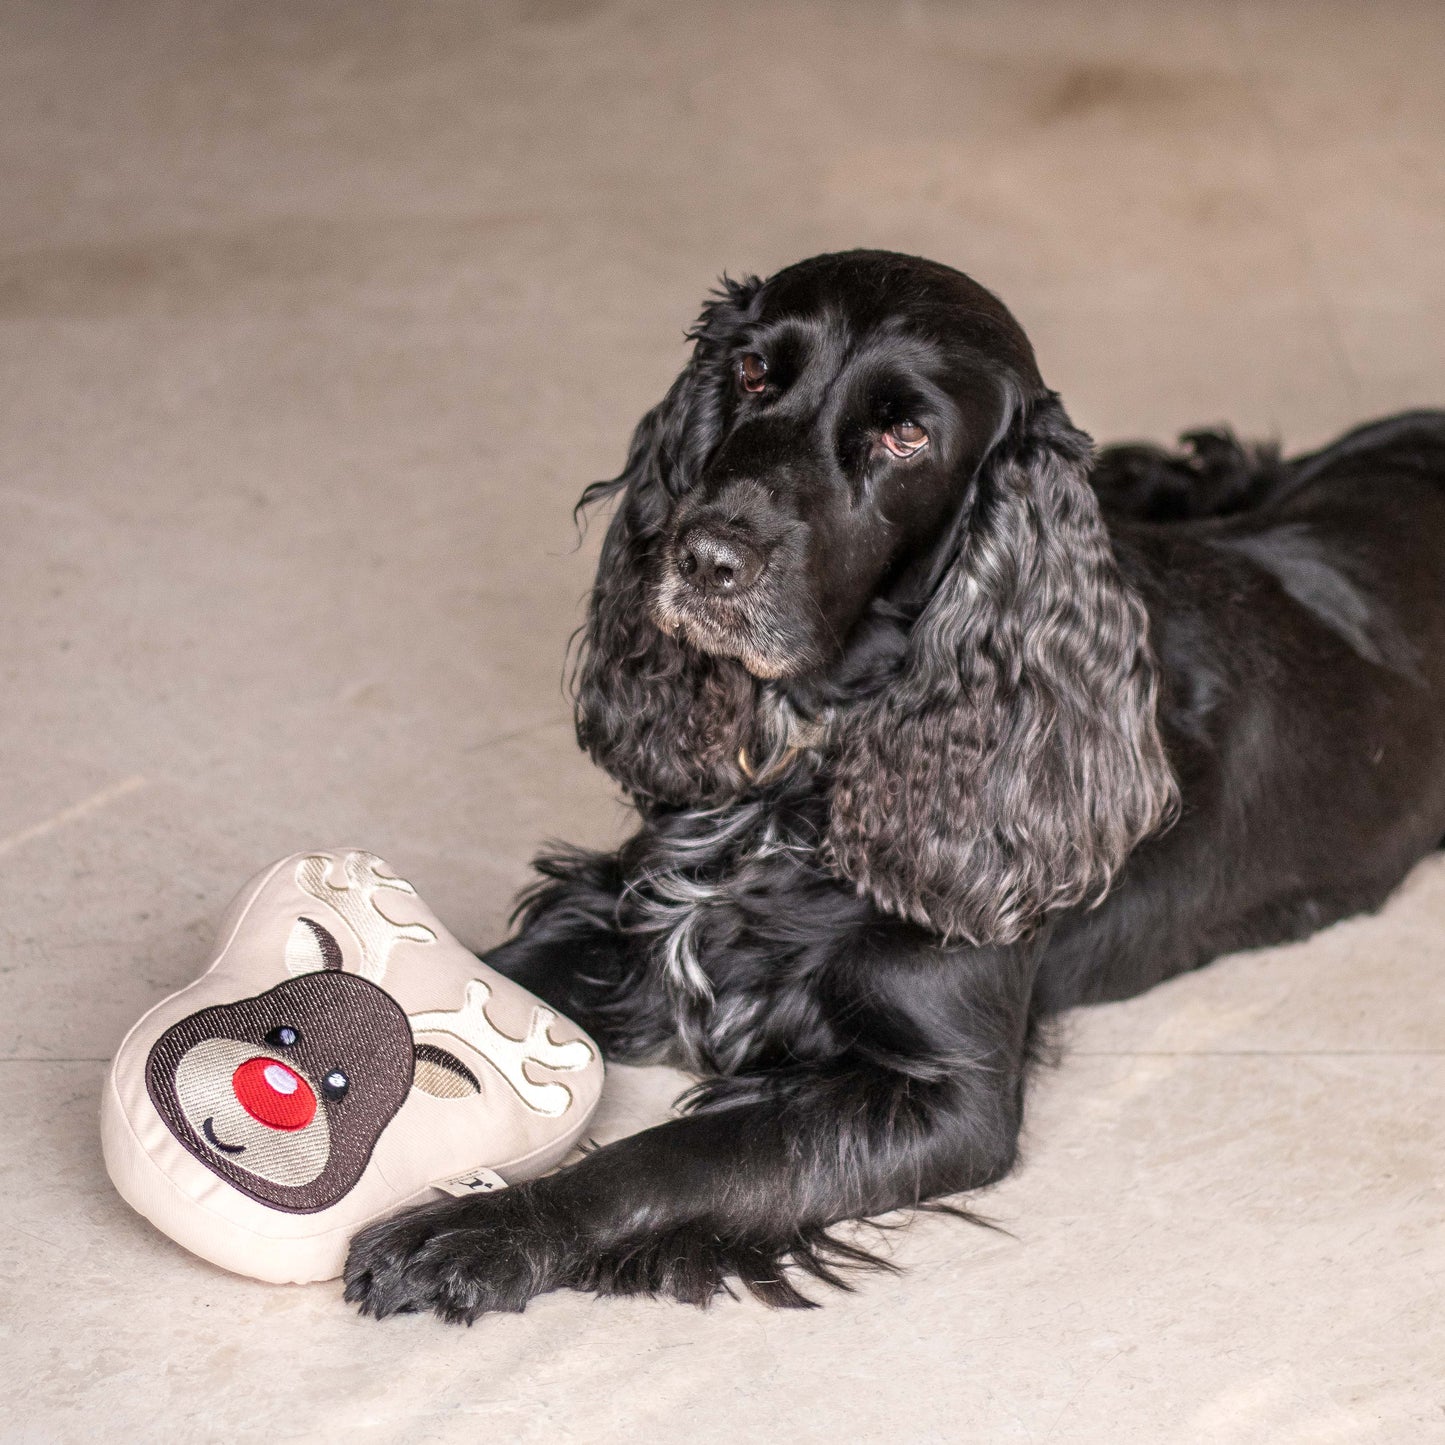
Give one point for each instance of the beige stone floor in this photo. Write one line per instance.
(314, 318)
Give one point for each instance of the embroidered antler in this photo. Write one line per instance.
(471, 1025)
(353, 896)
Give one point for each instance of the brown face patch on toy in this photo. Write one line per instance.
(284, 1095)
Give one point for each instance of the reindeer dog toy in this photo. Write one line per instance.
(342, 1057)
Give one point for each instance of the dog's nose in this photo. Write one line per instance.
(717, 566)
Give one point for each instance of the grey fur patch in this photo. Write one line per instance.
(711, 866)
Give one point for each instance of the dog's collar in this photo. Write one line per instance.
(772, 769)
(801, 737)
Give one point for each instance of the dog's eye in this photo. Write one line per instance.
(753, 372)
(905, 438)
(283, 1036)
(335, 1085)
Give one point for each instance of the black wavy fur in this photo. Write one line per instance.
(995, 727)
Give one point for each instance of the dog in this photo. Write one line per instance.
(938, 723)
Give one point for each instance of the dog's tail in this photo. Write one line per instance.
(1213, 474)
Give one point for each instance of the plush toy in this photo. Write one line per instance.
(342, 1057)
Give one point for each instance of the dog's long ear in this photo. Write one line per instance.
(666, 721)
(1015, 761)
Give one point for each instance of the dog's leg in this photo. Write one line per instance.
(925, 1102)
(573, 967)
(573, 951)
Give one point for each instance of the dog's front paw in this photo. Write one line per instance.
(461, 1258)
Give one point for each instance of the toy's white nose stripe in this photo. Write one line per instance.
(280, 1078)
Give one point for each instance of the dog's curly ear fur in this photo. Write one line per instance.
(666, 721)
(1016, 760)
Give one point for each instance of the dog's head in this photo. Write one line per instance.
(842, 409)
(860, 500)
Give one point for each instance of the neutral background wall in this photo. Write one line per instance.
(314, 319)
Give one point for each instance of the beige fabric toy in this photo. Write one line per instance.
(342, 1057)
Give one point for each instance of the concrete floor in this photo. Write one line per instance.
(314, 320)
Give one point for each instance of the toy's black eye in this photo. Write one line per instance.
(753, 372)
(283, 1036)
(335, 1085)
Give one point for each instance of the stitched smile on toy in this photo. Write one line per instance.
(208, 1129)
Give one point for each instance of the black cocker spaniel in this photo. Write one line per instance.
(937, 723)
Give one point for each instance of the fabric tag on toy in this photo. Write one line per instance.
(474, 1181)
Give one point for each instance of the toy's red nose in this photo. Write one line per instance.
(279, 1097)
